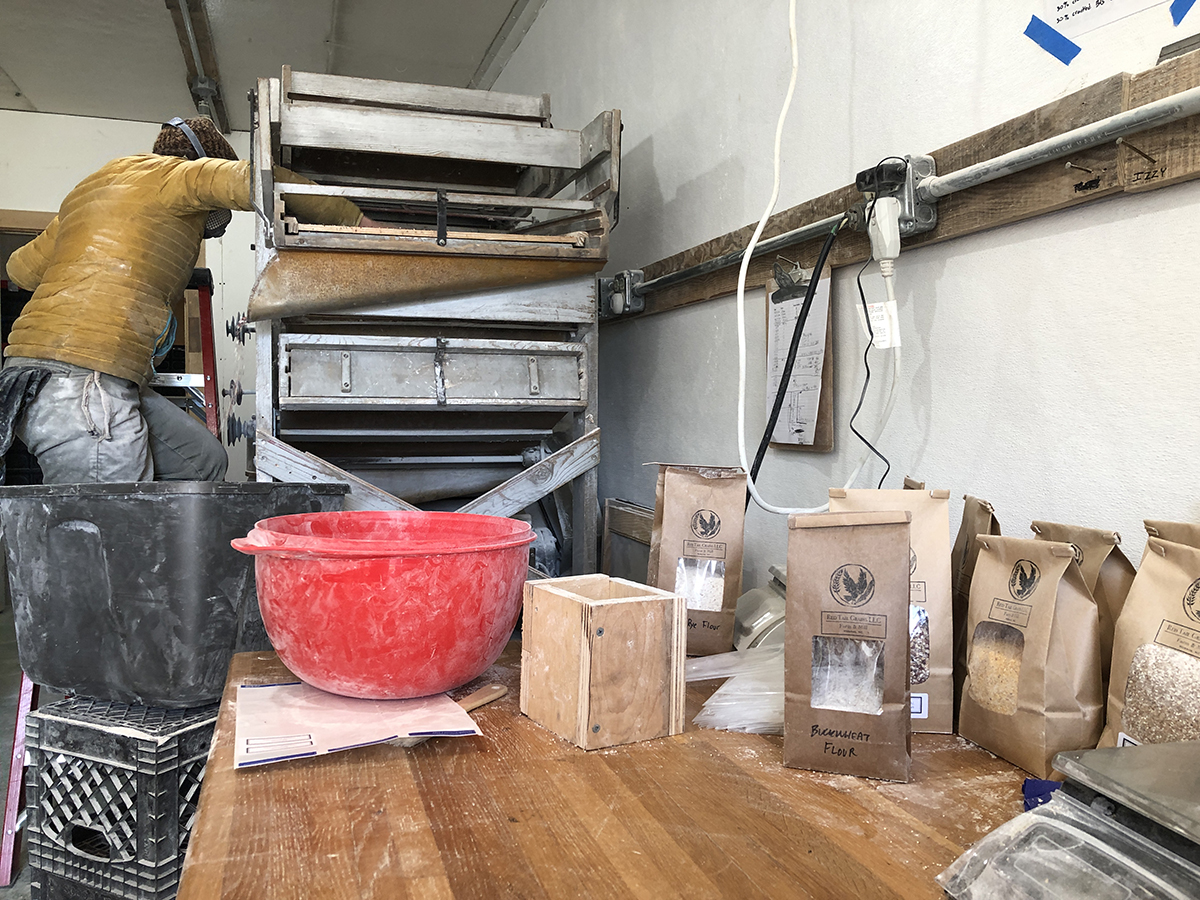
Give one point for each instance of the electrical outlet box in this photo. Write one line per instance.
(899, 178)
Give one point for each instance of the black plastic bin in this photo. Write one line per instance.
(131, 592)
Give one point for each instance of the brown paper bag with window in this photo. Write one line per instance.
(846, 699)
(696, 548)
(978, 519)
(1154, 693)
(1033, 655)
(1187, 533)
(1106, 571)
(932, 633)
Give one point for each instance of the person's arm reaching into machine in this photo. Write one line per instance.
(204, 184)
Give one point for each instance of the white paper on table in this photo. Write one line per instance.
(797, 422)
(1072, 18)
(276, 722)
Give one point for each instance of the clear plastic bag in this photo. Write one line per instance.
(847, 674)
(701, 582)
(752, 698)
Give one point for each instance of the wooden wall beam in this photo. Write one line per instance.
(24, 221)
(1174, 149)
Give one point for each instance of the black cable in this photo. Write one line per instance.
(793, 349)
(786, 378)
(867, 366)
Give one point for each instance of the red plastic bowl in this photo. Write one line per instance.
(388, 605)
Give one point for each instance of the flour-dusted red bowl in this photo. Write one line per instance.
(388, 605)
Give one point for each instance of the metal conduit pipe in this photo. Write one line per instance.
(796, 236)
(1159, 112)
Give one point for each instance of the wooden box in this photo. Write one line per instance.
(602, 660)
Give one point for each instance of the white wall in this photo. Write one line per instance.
(43, 156)
(1050, 366)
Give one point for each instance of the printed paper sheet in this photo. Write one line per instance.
(798, 419)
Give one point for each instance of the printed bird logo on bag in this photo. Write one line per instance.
(706, 524)
(852, 585)
(1190, 606)
(1024, 579)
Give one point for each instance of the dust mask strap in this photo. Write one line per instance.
(218, 220)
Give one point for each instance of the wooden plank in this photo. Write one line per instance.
(635, 681)
(1174, 149)
(520, 812)
(284, 462)
(553, 652)
(593, 249)
(1017, 197)
(572, 239)
(540, 479)
(600, 150)
(368, 130)
(469, 199)
(468, 345)
(24, 221)
(629, 520)
(422, 97)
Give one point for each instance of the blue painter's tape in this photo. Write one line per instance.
(1053, 42)
(1179, 9)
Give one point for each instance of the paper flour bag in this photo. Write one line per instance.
(1154, 692)
(1106, 571)
(696, 548)
(846, 700)
(932, 634)
(978, 518)
(1033, 658)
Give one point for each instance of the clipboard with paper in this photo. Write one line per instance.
(806, 418)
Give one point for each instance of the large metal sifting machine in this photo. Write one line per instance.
(447, 355)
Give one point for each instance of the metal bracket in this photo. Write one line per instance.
(534, 384)
(238, 327)
(902, 182)
(618, 295)
(439, 370)
(441, 218)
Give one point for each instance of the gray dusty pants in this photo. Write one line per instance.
(84, 426)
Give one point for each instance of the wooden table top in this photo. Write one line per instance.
(518, 812)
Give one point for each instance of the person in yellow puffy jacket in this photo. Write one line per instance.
(103, 274)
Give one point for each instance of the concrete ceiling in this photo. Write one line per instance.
(122, 59)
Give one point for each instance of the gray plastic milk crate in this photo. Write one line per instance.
(112, 791)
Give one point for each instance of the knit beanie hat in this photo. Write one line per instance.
(172, 141)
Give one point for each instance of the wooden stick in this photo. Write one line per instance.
(481, 697)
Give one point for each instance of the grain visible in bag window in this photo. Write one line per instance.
(994, 667)
(847, 674)
(701, 582)
(1162, 696)
(918, 637)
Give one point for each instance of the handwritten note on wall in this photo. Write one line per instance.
(1075, 17)
(798, 418)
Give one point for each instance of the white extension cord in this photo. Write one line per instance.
(884, 229)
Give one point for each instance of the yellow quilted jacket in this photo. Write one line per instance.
(122, 245)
